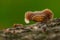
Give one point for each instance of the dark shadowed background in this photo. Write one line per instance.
(12, 11)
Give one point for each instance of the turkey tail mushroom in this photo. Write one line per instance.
(48, 13)
(27, 17)
(39, 16)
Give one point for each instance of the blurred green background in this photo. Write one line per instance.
(12, 11)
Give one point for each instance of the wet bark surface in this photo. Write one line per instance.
(37, 31)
